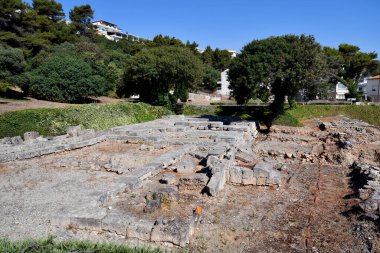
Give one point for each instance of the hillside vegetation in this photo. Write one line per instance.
(99, 117)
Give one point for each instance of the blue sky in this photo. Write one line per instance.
(232, 24)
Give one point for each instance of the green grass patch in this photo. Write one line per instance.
(50, 245)
(294, 117)
(367, 113)
(199, 110)
(54, 121)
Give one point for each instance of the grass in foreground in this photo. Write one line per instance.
(367, 113)
(50, 245)
(54, 121)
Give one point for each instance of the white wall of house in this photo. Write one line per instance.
(340, 90)
(372, 89)
(224, 89)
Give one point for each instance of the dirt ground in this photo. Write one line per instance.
(312, 211)
(7, 105)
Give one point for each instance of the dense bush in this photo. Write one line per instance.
(12, 66)
(162, 75)
(65, 78)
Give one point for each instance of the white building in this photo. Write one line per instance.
(112, 31)
(372, 89)
(224, 88)
(340, 91)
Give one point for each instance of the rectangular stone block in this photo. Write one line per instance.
(89, 218)
(236, 175)
(194, 182)
(29, 136)
(139, 229)
(261, 181)
(216, 183)
(177, 232)
(247, 177)
(116, 223)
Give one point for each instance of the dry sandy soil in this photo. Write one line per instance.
(31, 103)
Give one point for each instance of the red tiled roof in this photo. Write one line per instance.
(374, 77)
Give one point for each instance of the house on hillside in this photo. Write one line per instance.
(112, 31)
(372, 89)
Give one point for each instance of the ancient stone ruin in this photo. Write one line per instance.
(173, 155)
(200, 183)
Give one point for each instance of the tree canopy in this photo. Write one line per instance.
(279, 65)
(161, 75)
(12, 66)
(81, 17)
(66, 78)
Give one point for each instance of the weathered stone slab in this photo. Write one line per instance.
(89, 218)
(196, 182)
(244, 156)
(175, 231)
(73, 131)
(185, 166)
(139, 229)
(116, 223)
(168, 179)
(29, 136)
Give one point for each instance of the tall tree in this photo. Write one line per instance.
(208, 55)
(350, 65)
(10, 21)
(221, 59)
(160, 40)
(81, 17)
(49, 8)
(155, 72)
(355, 66)
(282, 64)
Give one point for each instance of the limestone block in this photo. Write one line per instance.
(175, 231)
(236, 175)
(116, 223)
(216, 183)
(244, 156)
(168, 179)
(185, 166)
(261, 181)
(17, 140)
(29, 136)
(139, 229)
(248, 177)
(89, 218)
(6, 141)
(262, 169)
(73, 131)
(169, 193)
(196, 181)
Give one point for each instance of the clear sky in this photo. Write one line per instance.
(232, 24)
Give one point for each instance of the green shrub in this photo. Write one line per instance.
(65, 78)
(12, 66)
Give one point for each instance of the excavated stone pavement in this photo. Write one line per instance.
(202, 185)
